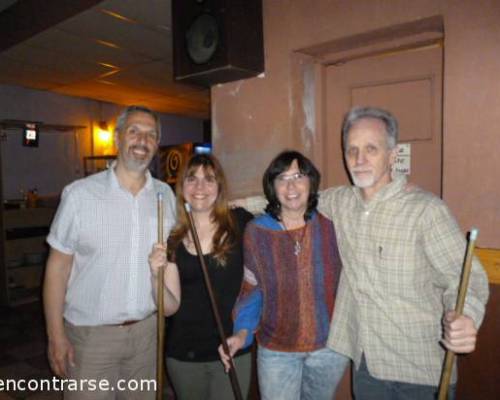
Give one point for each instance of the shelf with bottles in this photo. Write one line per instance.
(25, 252)
(28, 199)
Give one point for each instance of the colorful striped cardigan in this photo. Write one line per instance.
(288, 299)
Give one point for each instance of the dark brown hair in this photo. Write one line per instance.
(282, 163)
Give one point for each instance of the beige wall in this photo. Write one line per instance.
(255, 118)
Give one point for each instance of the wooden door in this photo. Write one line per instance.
(409, 85)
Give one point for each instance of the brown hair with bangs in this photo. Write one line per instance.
(226, 234)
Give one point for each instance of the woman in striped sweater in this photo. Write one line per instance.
(292, 269)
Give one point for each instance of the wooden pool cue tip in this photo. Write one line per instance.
(459, 308)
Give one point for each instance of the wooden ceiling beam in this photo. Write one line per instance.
(26, 18)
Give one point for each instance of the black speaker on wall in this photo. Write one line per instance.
(217, 41)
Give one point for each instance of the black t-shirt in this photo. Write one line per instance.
(192, 332)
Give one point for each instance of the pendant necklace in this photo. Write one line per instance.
(297, 243)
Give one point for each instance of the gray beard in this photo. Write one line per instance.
(136, 165)
(362, 183)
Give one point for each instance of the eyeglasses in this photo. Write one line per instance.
(284, 179)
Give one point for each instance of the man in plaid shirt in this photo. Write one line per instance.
(402, 252)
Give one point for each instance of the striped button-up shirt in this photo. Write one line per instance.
(110, 233)
(402, 253)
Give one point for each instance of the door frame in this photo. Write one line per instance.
(308, 75)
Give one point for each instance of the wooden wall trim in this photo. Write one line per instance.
(490, 258)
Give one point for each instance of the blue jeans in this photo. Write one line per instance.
(299, 376)
(367, 387)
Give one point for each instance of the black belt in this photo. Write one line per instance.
(131, 321)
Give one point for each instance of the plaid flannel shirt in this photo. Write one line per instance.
(402, 253)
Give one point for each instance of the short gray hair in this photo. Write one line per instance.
(357, 113)
(122, 118)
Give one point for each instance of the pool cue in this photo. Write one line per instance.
(459, 308)
(161, 312)
(232, 372)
